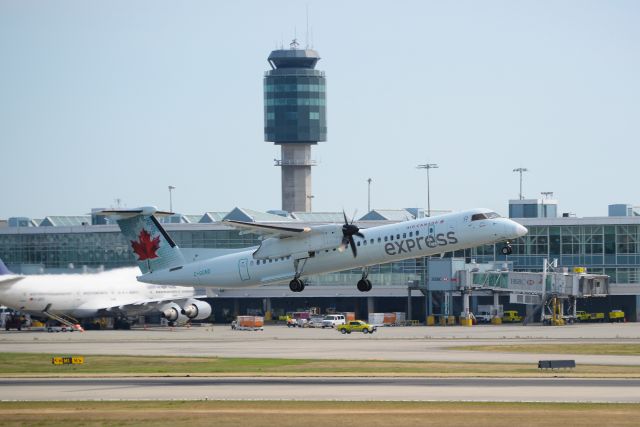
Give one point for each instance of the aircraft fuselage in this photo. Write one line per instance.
(383, 244)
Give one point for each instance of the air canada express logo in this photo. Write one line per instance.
(420, 243)
(146, 247)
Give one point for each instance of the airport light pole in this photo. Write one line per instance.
(369, 195)
(428, 166)
(310, 197)
(171, 188)
(521, 170)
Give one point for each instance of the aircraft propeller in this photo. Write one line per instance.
(348, 231)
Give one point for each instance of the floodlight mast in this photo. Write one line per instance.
(369, 194)
(428, 166)
(521, 170)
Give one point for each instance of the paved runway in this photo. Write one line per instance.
(399, 343)
(356, 389)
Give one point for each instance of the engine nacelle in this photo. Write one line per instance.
(328, 236)
(172, 312)
(196, 309)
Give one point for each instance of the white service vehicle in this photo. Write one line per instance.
(483, 317)
(333, 320)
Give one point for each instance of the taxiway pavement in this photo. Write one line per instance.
(343, 389)
(389, 343)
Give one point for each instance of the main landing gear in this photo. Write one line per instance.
(364, 284)
(506, 249)
(296, 285)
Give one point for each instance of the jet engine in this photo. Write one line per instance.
(172, 312)
(196, 309)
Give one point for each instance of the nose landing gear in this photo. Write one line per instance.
(506, 249)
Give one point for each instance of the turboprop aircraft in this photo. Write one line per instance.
(288, 252)
(112, 293)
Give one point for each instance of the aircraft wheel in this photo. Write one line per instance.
(296, 285)
(364, 285)
(369, 285)
(506, 250)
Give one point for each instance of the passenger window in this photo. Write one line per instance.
(411, 234)
(417, 232)
(379, 240)
(397, 236)
(372, 241)
(358, 243)
(404, 235)
(391, 237)
(386, 238)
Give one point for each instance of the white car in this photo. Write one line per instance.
(315, 322)
(333, 320)
(483, 317)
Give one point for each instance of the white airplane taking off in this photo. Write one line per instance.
(112, 293)
(289, 253)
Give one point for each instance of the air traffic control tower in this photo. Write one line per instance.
(295, 118)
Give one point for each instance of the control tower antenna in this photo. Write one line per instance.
(306, 41)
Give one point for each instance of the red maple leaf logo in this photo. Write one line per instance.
(146, 248)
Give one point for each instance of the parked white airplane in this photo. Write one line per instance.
(289, 253)
(112, 293)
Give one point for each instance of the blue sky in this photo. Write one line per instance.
(117, 100)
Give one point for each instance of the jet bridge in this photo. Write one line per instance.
(547, 290)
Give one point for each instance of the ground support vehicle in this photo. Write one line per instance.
(616, 316)
(333, 320)
(315, 322)
(582, 316)
(356, 326)
(596, 317)
(14, 321)
(63, 328)
(248, 323)
(483, 317)
(511, 316)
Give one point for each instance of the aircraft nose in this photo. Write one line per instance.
(519, 230)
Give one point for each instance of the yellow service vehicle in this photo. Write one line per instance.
(511, 316)
(616, 316)
(356, 326)
(596, 317)
(582, 316)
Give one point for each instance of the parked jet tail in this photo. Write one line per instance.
(153, 247)
(3, 269)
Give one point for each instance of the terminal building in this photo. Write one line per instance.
(601, 245)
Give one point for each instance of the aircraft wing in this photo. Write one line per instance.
(141, 306)
(268, 230)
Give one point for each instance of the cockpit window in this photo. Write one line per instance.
(488, 215)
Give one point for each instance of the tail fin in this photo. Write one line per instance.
(153, 247)
(3, 269)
